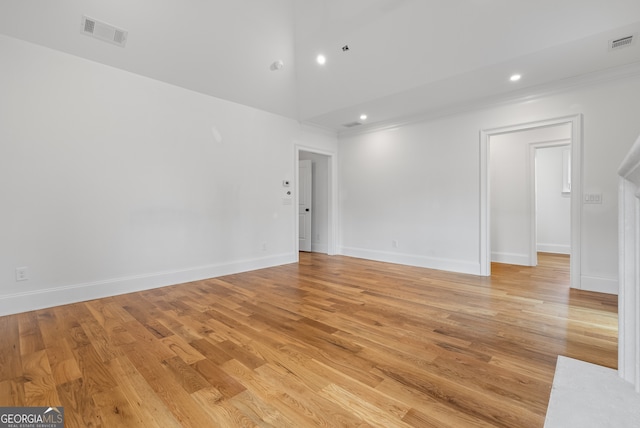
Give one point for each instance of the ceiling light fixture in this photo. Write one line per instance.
(363, 117)
(321, 59)
(515, 77)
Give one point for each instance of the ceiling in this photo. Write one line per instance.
(406, 58)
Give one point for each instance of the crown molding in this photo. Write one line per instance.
(527, 94)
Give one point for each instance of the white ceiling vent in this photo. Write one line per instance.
(351, 124)
(103, 31)
(622, 42)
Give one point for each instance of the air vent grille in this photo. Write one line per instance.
(89, 26)
(622, 42)
(119, 37)
(103, 31)
(351, 124)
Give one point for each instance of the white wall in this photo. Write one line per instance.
(319, 200)
(416, 185)
(220, 48)
(553, 207)
(419, 183)
(113, 182)
(512, 210)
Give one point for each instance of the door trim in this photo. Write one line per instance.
(332, 220)
(533, 148)
(576, 191)
(305, 168)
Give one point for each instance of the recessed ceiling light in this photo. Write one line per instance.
(321, 59)
(515, 77)
(363, 117)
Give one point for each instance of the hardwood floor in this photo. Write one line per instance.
(331, 341)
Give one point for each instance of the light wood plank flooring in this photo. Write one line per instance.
(331, 342)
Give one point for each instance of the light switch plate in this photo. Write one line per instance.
(593, 198)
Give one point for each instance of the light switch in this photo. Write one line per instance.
(593, 198)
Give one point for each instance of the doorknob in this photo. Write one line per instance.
(306, 209)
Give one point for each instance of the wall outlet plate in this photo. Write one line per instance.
(22, 273)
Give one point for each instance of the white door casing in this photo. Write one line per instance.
(576, 192)
(332, 195)
(304, 205)
(533, 150)
(513, 191)
(629, 267)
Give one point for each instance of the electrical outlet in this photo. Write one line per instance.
(394, 243)
(22, 273)
(264, 246)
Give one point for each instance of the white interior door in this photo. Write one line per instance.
(304, 205)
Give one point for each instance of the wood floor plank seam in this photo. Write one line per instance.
(330, 341)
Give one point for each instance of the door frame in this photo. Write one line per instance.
(308, 221)
(533, 176)
(575, 122)
(332, 196)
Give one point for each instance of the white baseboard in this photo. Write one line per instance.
(413, 260)
(599, 284)
(554, 248)
(39, 299)
(319, 248)
(511, 258)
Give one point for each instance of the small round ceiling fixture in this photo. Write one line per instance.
(321, 59)
(515, 77)
(363, 116)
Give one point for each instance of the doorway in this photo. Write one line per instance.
(574, 123)
(513, 195)
(552, 190)
(306, 207)
(317, 194)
